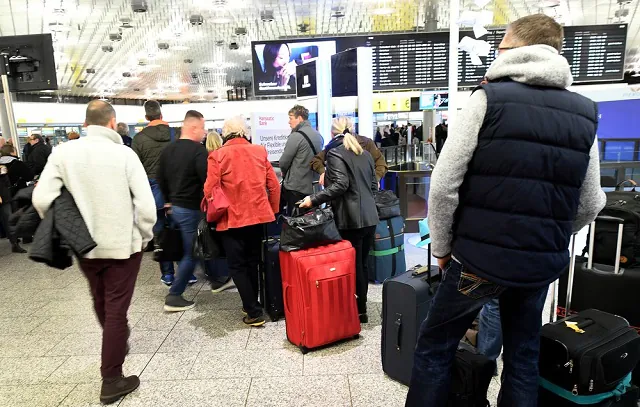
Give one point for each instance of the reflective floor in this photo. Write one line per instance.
(50, 348)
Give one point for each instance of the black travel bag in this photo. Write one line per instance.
(626, 206)
(470, 378)
(167, 245)
(271, 279)
(590, 352)
(629, 398)
(314, 228)
(617, 287)
(387, 204)
(406, 299)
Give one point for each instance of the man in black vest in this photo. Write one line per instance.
(519, 173)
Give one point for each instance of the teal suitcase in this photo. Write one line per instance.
(386, 259)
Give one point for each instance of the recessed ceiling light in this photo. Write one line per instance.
(46, 97)
(180, 48)
(221, 20)
(383, 11)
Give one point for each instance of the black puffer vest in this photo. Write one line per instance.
(521, 192)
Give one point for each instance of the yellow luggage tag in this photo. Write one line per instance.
(574, 326)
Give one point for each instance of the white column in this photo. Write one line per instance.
(454, 38)
(365, 91)
(323, 85)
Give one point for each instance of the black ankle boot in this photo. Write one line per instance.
(113, 389)
(16, 248)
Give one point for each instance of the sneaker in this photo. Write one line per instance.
(364, 318)
(257, 321)
(244, 312)
(193, 279)
(217, 286)
(175, 303)
(15, 248)
(167, 279)
(114, 389)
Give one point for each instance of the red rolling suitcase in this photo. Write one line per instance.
(319, 290)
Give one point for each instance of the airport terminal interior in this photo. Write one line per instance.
(398, 72)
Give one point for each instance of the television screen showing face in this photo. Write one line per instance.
(306, 79)
(31, 63)
(275, 62)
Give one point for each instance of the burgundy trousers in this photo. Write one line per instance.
(112, 283)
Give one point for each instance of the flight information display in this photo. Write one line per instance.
(421, 60)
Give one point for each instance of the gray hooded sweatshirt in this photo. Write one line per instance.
(539, 65)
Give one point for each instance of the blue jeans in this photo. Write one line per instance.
(455, 305)
(187, 220)
(166, 267)
(490, 330)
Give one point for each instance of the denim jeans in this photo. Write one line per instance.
(187, 220)
(455, 305)
(489, 330)
(166, 267)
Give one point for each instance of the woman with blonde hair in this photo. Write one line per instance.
(350, 181)
(214, 141)
(243, 171)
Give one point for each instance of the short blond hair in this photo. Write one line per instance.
(537, 29)
(234, 126)
(214, 141)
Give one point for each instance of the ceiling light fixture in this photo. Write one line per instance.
(383, 11)
(47, 91)
(46, 97)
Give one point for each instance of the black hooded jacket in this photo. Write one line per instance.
(149, 144)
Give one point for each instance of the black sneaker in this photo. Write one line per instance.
(15, 248)
(220, 286)
(114, 389)
(257, 321)
(175, 303)
(364, 318)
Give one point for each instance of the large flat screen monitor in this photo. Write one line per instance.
(31, 63)
(275, 62)
(344, 73)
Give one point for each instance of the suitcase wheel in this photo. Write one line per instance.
(356, 336)
(304, 350)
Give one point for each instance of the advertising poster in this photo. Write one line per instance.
(272, 131)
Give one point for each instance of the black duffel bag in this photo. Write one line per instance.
(167, 245)
(312, 229)
(387, 204)
(588, 353)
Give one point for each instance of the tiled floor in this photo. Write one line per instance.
(50, 348)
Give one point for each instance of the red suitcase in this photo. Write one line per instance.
(319, 290)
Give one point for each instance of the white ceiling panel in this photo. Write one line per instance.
(199, 63)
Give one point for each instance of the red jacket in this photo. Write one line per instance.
(246, 175)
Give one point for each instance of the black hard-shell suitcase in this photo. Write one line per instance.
(547, 398)
(405, 304)
(271, 280)
(617, 288)
(590, 352)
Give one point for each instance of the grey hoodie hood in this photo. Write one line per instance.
(538, 65)
(6, 159)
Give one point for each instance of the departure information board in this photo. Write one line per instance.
(421, 60)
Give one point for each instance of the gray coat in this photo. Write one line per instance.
(295, 161)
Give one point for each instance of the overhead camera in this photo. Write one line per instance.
(196, 19)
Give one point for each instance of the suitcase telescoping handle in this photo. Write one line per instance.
(572, 263)
(592, 234)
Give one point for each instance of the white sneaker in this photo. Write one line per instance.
(227, 285)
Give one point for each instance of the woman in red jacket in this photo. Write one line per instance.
(251, 186)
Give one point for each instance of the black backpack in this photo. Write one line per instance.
(624, 205)
(470, 378)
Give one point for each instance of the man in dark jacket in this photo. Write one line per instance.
(38, 154)
(519, 174)
(19, 172)
(442, 131)
(148, 145)
(303, 144)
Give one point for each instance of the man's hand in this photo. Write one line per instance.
(167, 208)
(306, 203)
(442, 263)
(321, 181)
